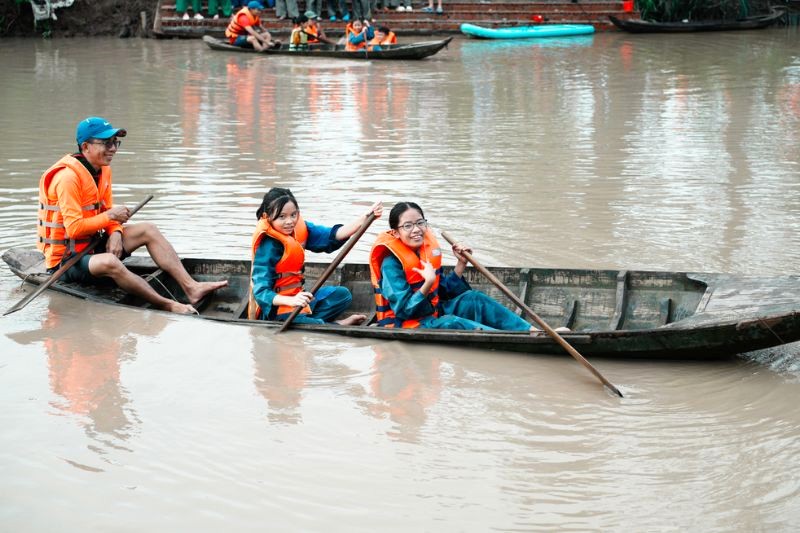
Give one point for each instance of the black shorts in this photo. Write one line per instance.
(79, 272)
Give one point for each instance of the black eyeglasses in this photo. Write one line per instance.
(408, 226)
(112, 143)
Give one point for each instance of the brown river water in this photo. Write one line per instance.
(611, 151)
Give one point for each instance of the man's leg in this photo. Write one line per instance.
(109, 265)
(256, 43)
(162, 252)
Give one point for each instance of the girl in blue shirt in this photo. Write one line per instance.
(457, 305)
(278, 257)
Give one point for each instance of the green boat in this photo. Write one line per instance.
(419, 50)
(611, 313)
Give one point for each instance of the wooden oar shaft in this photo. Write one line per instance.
(331, 268)
(550, 331)
(66, 266)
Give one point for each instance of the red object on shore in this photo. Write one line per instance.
(537, 18)
(627, 6)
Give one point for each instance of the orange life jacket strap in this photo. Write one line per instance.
(47, 224)
(89, 207)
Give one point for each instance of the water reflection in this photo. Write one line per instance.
(403, 387)
(85, 364)
(280, 375)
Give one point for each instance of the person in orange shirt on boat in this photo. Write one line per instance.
(383, 37)
(76, 205)
(245, 29)
(314, 30)
(410, 292)
(278, 251)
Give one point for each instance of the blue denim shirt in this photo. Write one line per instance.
(408, 303)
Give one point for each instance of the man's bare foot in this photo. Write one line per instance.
(181, 309)
(352, 320)
(201, 288)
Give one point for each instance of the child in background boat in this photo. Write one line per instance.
(278, 248)
(314, 30)
(383, 36)
(298, 40)
(357, 34)
(405, 267)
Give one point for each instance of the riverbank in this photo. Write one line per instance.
(97, 18)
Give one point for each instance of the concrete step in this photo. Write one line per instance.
(508, 13)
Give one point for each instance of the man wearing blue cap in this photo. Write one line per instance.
(76, 204)
(245, 29)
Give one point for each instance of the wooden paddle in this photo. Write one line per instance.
(328, 271)
(66, 266)
(550, 331)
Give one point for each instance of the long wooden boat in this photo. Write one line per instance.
(418, 50)
(748, 23)
(527, 32)
(632, 314)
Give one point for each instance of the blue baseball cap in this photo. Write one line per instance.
(255, 5)
(96, 128)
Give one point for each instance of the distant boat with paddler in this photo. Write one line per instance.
(418, 50)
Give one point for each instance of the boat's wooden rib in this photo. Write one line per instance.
(419, 50)
(627, 313)
(571, 313)
(666, 311)
(622, 301)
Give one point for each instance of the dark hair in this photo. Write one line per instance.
(274, 202)
(400, 208)
(383, 29)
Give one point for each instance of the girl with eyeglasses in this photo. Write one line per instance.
(278, 246)
(410, 291)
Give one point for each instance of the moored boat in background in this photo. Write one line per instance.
(748, 23)
(614, 313)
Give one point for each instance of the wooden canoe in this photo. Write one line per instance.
(748, 23)
(633, 314)
(418, 50)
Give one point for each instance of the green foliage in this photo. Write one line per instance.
(675, 10)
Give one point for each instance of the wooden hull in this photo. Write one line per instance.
(527, 32)
(749, 23)
(419, 50)
(631, 314)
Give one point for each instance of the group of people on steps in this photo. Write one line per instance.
(76, 206)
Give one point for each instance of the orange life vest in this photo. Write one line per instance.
(351, 47)
(313, 33)
(235, 29)
(390, 38)
(289, 268)
(84, 212)
(386, 244)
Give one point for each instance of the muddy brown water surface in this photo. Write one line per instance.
(610, 151)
